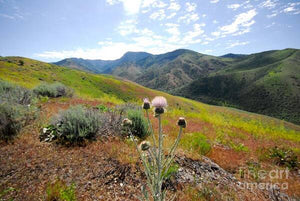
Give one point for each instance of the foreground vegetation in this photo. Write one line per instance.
(222, 134)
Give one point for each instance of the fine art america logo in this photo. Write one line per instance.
(272, 177)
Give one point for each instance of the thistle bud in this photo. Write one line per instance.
(146, 104)
(126, 122)
(145, 145)
(159, 110)
(181, 122)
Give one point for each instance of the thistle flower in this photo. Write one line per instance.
(160, 103)
(145, 145)
(181, 122)
(146, 104)
(126, 122)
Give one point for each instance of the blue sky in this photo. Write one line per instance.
(106, 29)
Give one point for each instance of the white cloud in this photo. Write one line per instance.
(274, 14)
(237, 43)
(131, 7)
(216, 33)
(268, 4)
(113, 50)
(270, 25)
(172, 29)
(191, 36)
(128, 27)
(190, 7)
(214, 1)
(160, 15)
(159, 4)
(174, 6)
(147, 3)
(240, 24)
(215, 22)
(171, 16)
(7, 16)
(289, 9)
(188, 18)
(234, 6)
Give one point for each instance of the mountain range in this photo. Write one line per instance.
(266, 83)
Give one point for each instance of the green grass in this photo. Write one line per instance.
(196, 142)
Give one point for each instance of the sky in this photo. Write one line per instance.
(51, 30)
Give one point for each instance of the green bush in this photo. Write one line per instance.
(59, 191)
(53, 90)
(139, 127)
(196, 141)
(76, 124)
(284, 157)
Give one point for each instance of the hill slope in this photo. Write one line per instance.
(231, 137)
(266, 83)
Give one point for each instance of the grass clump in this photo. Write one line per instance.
(59, 191)
(53, 90)
(139, 126)
(196, 142)
(75, 125)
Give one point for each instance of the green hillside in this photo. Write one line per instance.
(266, 83)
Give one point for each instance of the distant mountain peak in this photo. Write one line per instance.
(233, 56)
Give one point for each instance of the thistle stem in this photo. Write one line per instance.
(152, 133)
(171, 156)
(159, 163)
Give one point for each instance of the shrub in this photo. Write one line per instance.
(196, 141)
(59, 191)
(11, 93)
(76, 124)
(11, 121)
(284, 157)
(15, 109)
(53, 90)
(139, 127)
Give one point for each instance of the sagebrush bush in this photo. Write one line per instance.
(53, 90)
(14, 94)
(76, 124)
(11, 121)
(15, 109)
(139, 127)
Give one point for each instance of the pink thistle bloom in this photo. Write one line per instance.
(159, 102)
